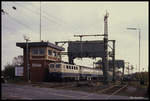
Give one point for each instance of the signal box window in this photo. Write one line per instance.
(41, 51)
(49, 52)
(38, 51)
(35, 51)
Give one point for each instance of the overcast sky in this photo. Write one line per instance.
(62, 20)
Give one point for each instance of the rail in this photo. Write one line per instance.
(116, 91)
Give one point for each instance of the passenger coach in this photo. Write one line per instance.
(68, 72)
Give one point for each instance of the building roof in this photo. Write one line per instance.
(39, 44)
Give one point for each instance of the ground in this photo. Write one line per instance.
(28, 91)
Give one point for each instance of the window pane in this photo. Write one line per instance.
(51, 65)
(41, 50)
(55, 54)
(35, 51)
(67, 67)
(58, 55)
(58, 65)
(49, 52)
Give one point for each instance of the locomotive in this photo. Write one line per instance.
(61, 71)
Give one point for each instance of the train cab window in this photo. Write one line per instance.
(55, 54)
(51, 65)
(76, 68)
(58, 65)
(69, 67)
(58, 55)
(64, 66)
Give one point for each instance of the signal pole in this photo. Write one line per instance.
(113, 60)
(106, 66)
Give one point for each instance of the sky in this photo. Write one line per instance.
(60, 21)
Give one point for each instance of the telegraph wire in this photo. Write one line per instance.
(45, 14)
(14, 19)
(31, 10)
(17, 21)
(56, 18)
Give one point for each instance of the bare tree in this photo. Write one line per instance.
(17, 60)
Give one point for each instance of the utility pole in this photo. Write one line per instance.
(106, 66)
(139, 46)
(113, 59)
(139, 41)
(127, 67)
(40, 21)
(27, 60)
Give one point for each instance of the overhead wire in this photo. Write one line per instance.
(56, 18)
(41, 15)
(49, 17)
(38, 13)
(18, 22)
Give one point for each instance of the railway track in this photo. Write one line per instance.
(117, 91)
(86, 86)
(113, 90)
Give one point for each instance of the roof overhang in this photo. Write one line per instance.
(39, 44)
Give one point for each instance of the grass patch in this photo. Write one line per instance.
(17, 80)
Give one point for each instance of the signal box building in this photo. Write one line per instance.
(40, 54)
